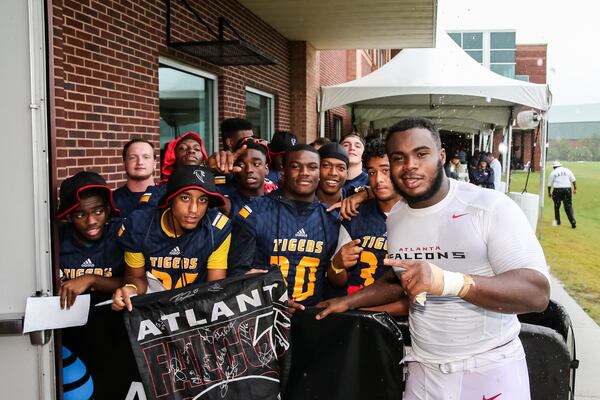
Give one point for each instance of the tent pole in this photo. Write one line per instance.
(491, 142)
(321, 123)
(504, 137)
(509, 150)
(543, 141)
(472, 143)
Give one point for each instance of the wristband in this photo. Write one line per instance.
(336, 270)
(131, 285)
(466, 286)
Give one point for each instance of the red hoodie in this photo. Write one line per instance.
(169, 158)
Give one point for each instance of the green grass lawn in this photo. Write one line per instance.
(573, 254)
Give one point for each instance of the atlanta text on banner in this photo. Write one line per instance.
(218, 340)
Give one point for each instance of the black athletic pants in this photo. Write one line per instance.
(563, 195)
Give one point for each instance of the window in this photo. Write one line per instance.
(503, 53)
(524, 78)
(494, 50)
(187, 103)
(260, 112)
(337, 127)
(473, 40)
(507, 70)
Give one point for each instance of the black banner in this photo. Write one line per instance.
(97, 359)
(221, 340)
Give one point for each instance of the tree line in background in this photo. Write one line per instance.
(587, 149)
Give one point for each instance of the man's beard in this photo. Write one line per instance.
(139, 178)
(436, 184)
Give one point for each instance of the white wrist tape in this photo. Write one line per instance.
(453, 283)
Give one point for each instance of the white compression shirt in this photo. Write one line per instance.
(474, 231)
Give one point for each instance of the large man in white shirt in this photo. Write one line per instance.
(473, 255)
(561, 179)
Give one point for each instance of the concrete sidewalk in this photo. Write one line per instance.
(587, 342)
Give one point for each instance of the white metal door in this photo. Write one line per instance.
(26, 370)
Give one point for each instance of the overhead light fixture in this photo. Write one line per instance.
(220, 51)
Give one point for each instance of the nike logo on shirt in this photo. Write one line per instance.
(454, 216)
(491, 398)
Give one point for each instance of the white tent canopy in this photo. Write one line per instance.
(443, 83)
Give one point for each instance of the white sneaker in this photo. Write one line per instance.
(554, 223)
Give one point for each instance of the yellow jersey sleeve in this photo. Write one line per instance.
(218, 259)
(135, 260)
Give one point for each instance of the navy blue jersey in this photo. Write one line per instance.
(299, 238)
(274, 175)
(101, 257)
(369, 226)
(128, 201)
(175, 261)
(361, 180)
(225, 184)
(238, 200)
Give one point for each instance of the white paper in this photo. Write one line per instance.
(45, 313)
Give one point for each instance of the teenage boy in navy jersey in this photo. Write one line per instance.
(357, 177)
(288, 229)
(139, 190)
(333, 173)
(362, 243)
(249, 182)
(89, 256)
(185, 240)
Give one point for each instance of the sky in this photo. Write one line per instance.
(571, 30)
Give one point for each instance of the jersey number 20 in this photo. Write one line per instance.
(310, 263)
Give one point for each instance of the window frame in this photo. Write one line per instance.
(271, 98)
(169, 62)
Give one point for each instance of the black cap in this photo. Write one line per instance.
(252, 143)
(334, 150)
(282, 142)
(72, 187)
(192, 177)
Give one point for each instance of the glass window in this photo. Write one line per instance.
(524, 78)
(476, 54)
(502, 40)
(502, 56)
(337, 126)
(457, 37)
(472, 40)
(186, 104)
(259, 111)
(507, 70)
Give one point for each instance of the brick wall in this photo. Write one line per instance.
(531, 60)
(333, 71)
(105, 72)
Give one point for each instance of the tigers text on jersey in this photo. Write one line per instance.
(175, 261)
(128, 201)
(101, 257)
(299, 238)
(473, 231)
(368, 226)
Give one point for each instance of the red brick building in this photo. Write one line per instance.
(114, 77)
(530, 66)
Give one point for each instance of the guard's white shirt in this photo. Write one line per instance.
(497, 168)
(474, 231)
(561, 178)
